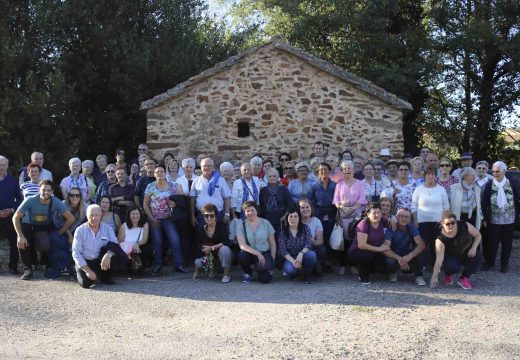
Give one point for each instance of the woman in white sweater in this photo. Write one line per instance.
(429, 201)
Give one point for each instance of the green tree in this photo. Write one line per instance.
(478, 81)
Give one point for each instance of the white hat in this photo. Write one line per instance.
(385, 152)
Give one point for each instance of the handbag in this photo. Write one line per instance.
(336, 241)
(135, 262)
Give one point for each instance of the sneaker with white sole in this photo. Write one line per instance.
(364, 281)
(246, 278)
(225, 279)
(392, 277)
(419, 280)
(464, 283)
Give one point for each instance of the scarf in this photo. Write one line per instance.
(469, 199)
(246, 191)
(501, 195)
(212, 184)
(272, 204)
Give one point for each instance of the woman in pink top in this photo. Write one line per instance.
(349, 198)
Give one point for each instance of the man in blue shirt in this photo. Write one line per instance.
(406, 248)
(93, 248)
(10, 199)
(33, 222)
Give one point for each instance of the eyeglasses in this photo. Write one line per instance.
(444, 165)
(142, 149)
(288, 168)
(110, 171)
(403, 169)
(74, 195)
(209, 216)
(284, 159)
(481, 168)
(495, 171)
(451, 223)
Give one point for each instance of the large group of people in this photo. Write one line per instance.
(398, 216)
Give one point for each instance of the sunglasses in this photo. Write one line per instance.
(444, 165)
(110, 171)
(481, 168)
(451, 223)
(284, 159)
(74, 195)
(209, 216)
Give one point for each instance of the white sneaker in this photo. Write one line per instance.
(225, 279)
(419, 280)
(392, 277)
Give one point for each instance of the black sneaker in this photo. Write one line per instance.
(27, 274)
(108, 282)
(14, 271)
(181, 269)
(364, 280)
(156, 271)
(306, 279)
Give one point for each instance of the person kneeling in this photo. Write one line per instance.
(255, 237)
(212, 243)
(295, 245)
(456, 245)
(369, 245)
(406, 248)
(94, 249)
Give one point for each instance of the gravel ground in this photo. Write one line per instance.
(174, 317)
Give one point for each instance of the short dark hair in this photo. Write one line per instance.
(319, 143)
(109, 201)
(209, 208)
(284, 154)
(142, 217)
(268, 161)
(431, 169)
(405, 163)
(46, 182)
(326, 165)
(372, 205)
(248, 204)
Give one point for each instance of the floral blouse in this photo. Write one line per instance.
(507, 214)
(292, 245)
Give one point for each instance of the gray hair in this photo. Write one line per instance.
(302, 164)
(74, 160)
(468, 171)
(501, 165)
(188, 161)
(87, 163)
(33, 155)
(101, 156)
(226, 165)
(4, 158)
(92, 207)
(483, 162)
(346, 163)
(255, 160)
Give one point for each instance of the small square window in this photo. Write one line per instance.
(243, 129)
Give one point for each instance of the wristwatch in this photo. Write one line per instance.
(212, 248)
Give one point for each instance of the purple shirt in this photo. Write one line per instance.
(376, 236)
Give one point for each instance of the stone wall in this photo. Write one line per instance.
(288, 104)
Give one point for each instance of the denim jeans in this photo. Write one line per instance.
(308, 263)
(168, 229)
(452, 264)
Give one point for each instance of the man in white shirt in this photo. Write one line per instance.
(244, 189)
(94, 250)
(210, 188)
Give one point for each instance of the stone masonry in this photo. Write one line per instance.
(286, 97)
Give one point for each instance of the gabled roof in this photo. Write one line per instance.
(278, 43)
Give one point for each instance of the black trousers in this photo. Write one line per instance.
(118, 260)
(498, 234)
(8, 228)
(38, 239)
(245, 260)
(368, 261)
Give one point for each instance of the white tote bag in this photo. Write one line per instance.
(336, 240)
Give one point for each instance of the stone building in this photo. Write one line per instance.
(269, 99)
